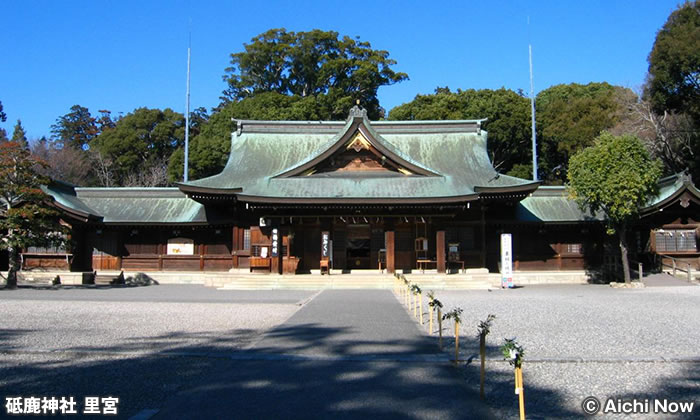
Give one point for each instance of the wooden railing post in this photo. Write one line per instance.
(640, 271)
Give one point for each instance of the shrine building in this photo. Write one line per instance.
(318, 196)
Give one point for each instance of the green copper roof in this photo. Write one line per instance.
(551, 204)
(451, 154)
(130, 205)
(134, 205)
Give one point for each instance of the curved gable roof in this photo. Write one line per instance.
(268, 160)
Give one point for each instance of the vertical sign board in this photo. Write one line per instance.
(274, 253)
(325, 245)
(506, 260)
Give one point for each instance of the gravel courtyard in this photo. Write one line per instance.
(583, 341)
(141, 344)
(145, 344)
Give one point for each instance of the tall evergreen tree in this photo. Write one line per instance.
(674, 63)
(75, 129)
(3, 118)
(19, 135)
(26, 218)
(336, 71)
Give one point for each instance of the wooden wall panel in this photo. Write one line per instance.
(105, 262)
(405, 260)
(55, 263)
(217, 264)
(139, 264)
(181, 264)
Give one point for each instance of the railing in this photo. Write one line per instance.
(613, 266)
(675, 266)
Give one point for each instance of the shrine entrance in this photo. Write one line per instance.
(358, 247)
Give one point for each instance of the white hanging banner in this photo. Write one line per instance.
(506, 260)
(180, 246)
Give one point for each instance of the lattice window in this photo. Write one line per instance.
(246, 239)
(674, 240)
(574, 248)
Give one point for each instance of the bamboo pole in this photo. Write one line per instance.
(456, 341)
(482, 356)
(440, 328)
(521, 391)
(420, 300)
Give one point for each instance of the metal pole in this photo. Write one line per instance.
(532, 106)
(187, 113)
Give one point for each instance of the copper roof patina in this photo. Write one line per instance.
(445, 161)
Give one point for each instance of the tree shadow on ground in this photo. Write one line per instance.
(303, 371)
(677, 388)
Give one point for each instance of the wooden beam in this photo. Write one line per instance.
(389, 246)
(440, 249)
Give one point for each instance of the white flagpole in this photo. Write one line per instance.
(532, 106)
(187, 112)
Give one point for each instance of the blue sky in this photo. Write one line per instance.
(121, 55)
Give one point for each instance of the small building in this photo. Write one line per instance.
(301, 196)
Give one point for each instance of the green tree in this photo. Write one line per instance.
(27, 219)
(337, 71)
(569, 117)
(508, 124)
(674, 63)
(76, 129)
(19, 135)
(617, 177)
(141, 140)
(209, 148)
(3, 118)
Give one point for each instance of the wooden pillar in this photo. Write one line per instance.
(234, 238)
(389, 246)
(440, 249)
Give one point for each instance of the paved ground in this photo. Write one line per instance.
(347, 354)
(666, 280)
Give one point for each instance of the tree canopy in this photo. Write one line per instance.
(569, 117)
(19, 135)
(26, 218)
(3, 118)
(209, 148)
(674, 63)
(616, 176)
(141, 140)
(508, 114)
(336, 71)
(76, 129)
